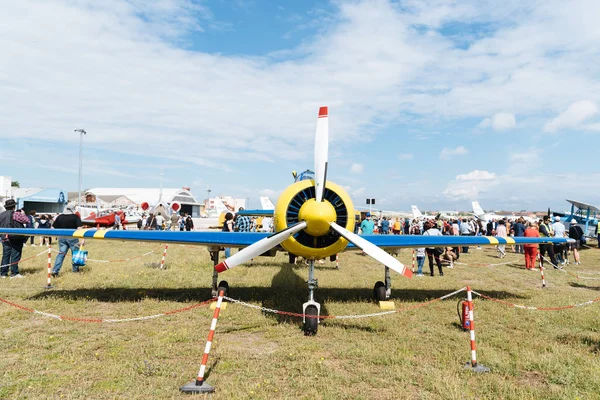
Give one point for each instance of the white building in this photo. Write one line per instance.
(6, 190)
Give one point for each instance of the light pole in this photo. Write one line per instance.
(81, 133)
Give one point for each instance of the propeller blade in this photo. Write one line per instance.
(321, 152)
(259, 247)
(373, 250)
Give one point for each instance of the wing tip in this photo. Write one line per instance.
(323, 112)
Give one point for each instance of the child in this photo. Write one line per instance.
(420, 260)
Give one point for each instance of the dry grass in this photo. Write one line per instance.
(413, 354)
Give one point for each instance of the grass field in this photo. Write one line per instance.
(416, 354)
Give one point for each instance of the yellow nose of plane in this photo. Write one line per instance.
(317, 216)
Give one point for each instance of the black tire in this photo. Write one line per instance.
(379, 291)
(291, 258)
(311, 324)
(333, 258)
(224, 286)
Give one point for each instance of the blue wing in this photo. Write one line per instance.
(243, 239)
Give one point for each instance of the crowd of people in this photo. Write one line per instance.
(556, 253)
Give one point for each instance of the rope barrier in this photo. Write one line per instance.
(378, 314)
(23, 260)
(104, 320)
(117, 260)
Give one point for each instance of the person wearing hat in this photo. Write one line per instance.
(67, 220)
(575, 233)
(12, 245)
(367, 225)
(560, 232)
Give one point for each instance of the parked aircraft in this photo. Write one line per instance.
(585, 214)
(314, 218)
(486, 217)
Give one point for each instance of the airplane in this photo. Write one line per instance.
(586, 215)
(417, 214)
(486, 217)
(313, 218)
(267, 204)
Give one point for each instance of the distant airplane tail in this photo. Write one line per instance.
(266, 203)
(416, 212)
(477, 209)
(220, 206)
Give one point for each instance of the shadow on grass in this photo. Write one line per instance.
(582, 286)
(593, 343)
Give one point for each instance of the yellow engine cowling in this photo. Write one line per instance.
(296, 203)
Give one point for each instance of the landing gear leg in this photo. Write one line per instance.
(311, 307)
(383, 291)
(214, 256)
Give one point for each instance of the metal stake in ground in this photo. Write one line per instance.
(162, 263)
(473, 365)
(49, 284)
(200, 386)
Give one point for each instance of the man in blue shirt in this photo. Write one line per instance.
(385, 226)
(367, 225)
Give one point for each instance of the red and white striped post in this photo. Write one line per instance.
(162, 263)
(413, 261)
(49, 284)
(200, 386)
(542, 270)
(473, 363)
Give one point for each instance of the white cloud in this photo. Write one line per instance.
(448, 153)
(499, 122)
(358, 192)
(356, 168)
(476, 175)
(405, 156)
(573, 116)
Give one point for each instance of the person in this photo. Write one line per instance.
(12, 245)
(501, 232)
(466, 229)
(267, 224)
(449, 255)
(433, 252)
(182, 223)
(189, 223)
(67, 220)
(575, 233)
(396, 227)
(31, 224)
(385, 226)
(175, 221)
(243, 222)
(367, 226)
(159, 220)
(228, 227)
(531, 250)
(560, 232)
(519, 231)
(546, 231)
(118, 224)
(420, 260)
(45, 223)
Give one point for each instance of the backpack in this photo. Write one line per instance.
(139, 224)
(16, 225)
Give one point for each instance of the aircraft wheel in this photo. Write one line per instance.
(223, 285)
(291, 258)
(332, 258)
(311, 324)
(379, 291)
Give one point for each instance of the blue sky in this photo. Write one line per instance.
(435, 103)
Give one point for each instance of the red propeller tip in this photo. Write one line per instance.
(323, 112)
(407, 273)
(221, 267)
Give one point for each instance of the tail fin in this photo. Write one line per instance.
(220, 206)
(477, 208)
(266, 203)
(416, 212)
